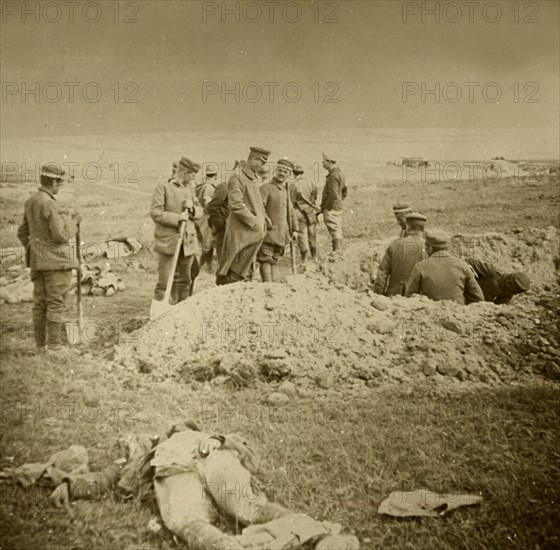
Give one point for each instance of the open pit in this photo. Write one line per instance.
(326, 329)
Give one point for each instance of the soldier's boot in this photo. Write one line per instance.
(200, 535)
(304, 256)
(336, 245)
(40, 337)
(191, 289)
(313, 250)
(56, 336)
(274, 273)
(266, 272)
(183, 292)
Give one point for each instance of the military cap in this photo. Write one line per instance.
(328, 158)
(287, 163)
(52, 171)
(297, 169)
(521, 281)
(186, 165)
(437, 238)
(401, 208)
(260, 152)
(416, 216)
(210, 171)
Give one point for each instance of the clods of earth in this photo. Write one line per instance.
(325, 328)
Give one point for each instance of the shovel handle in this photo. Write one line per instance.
(79, 279)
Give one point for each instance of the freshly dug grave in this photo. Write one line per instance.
(314, 333)
(534, 251)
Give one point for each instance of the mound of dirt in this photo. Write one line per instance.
(534, 251)
(314, 332)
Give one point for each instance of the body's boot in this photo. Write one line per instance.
(304, 256)
(337, 245)
(273, 273)
(183, 292)
(313, 250)
(266, 272)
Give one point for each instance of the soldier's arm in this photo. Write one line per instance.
(263, 189)
(157, 209)
(482, 269)
(383, 270)
(217, 221)
(413, 284)
(237, 205)
(344, 189)
(198, 210)
(329, 196)
(313, 194)
(23, 232)
(473, 292)
(58, 228)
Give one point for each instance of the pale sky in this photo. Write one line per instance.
(361, 58)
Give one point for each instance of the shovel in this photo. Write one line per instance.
(71, 336)
(159, 308)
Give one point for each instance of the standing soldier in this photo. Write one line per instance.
(401, 256)
(304, 198)
(45, 234)
(400, 211)
(443, 276)
(280, 217)
(174, 201)
(204, 193)
(245, 226)
(334, 193)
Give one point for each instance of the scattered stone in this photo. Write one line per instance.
(379, 302)
(277, 398)
(448, 370)
(325, 381)
(429, 368)
(287, 387)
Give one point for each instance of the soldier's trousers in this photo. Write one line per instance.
(50, 289)
(182, 278)
(189, 502)
(333, 221)
(307, 233)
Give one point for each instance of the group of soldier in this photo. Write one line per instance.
(420, 262)
(249, 219)
(246, 220)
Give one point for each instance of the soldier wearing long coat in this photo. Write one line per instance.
(174, 201)
(246, 225)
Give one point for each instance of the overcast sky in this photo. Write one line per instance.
(361, 58)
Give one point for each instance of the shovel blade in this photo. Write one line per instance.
(157, 309)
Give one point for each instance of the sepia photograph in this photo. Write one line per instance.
(279, 274)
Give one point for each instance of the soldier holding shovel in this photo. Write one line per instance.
(174, 208)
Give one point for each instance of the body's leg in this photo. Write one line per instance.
(188, 511)
(264, 257)
(229, 483)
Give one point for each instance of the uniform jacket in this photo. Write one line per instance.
(490, 280)
(204, 193)
(45, 233)
(444, 277)
(218, 209)
(397, 263)
(304, 197)
(277, 207)
(334, 191)
(167, 205)
(245, 226)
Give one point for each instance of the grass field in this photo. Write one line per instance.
(323, 455)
